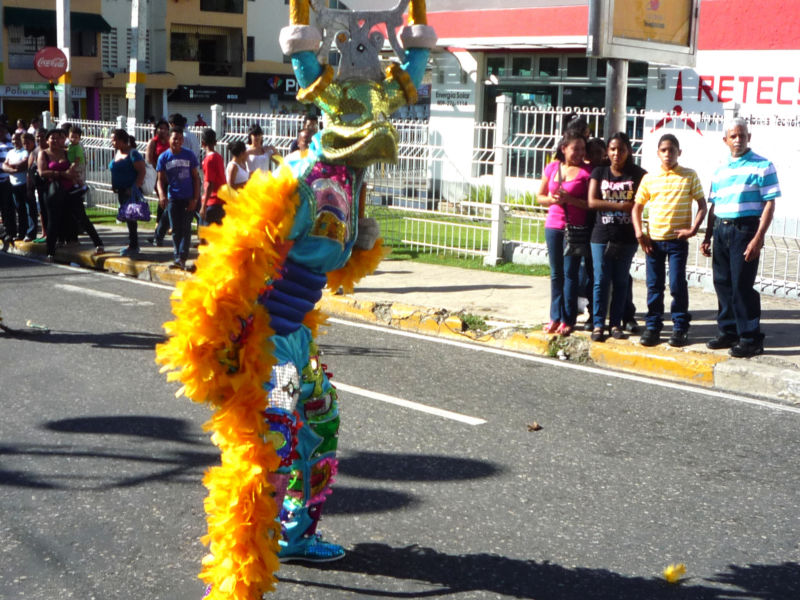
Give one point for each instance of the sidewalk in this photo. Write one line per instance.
(430, 299)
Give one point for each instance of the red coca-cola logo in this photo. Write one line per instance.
(50, 63)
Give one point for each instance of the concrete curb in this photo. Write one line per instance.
(624, 355)
(763, 376)
(771, 379)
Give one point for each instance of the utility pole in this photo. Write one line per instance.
(63, 40)
(616, 96)
(2, 51)
(134, 91)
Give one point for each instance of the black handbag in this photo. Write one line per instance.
(576, 237)
(577, 240)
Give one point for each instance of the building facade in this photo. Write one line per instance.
(534, 51)
(29, 25)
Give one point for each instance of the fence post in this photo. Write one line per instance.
(121, 124)
(495, 253)
(47, 120)
(217, 122)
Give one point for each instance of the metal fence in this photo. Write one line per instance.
(429, 202)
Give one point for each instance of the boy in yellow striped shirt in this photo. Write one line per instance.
(668, 193)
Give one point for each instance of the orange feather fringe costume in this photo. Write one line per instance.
(218, 348)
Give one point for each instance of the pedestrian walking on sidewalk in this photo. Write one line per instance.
(212, 207)
(127, 172)
(179, 193)
(564, 189)
(742, 197)
(669, 193)
(7, 211)
(16, 165)
(157, 145)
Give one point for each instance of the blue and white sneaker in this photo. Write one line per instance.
(311, 549)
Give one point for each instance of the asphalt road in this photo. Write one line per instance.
(101, 467)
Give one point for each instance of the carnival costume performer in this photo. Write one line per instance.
(243, 335)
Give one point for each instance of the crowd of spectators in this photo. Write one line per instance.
(594, 226)
(595, 194)
(191, 173)
(42, 186)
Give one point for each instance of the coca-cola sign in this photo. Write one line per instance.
(50, 63)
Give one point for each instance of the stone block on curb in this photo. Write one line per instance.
(760, 378)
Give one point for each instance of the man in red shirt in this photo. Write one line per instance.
(212, 207)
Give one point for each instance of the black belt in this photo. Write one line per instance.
(740, 220)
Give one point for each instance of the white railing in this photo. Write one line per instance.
(427, 202)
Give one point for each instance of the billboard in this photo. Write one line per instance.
(656, 31)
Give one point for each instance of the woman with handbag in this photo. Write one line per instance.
(127, 176)
(54, 167)
(563, 189)
(613, 243)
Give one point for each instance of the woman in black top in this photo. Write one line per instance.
(611, 193)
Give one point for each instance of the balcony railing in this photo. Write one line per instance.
(226, 6)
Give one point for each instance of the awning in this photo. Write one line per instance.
(46, 19)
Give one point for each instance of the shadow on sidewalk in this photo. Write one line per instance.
(448, 288)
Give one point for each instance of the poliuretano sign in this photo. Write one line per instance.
(23, 91)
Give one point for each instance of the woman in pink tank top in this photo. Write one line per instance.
(564, 190)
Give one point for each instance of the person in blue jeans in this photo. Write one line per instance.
(742, 197)
(563, 189)
(611, 193)
(127, 172)
(179, 192)
(669, 194)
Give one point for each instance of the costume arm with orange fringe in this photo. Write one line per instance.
(217, 348)
(360, 264)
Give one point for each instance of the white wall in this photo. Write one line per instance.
(264, 21)
(764, 86)
(454, 101)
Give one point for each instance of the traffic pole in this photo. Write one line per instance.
(63, 40)
(616, 96)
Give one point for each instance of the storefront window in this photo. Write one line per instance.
(637, 70)
(591, 96)
(568, 80)
(548, 66)
(577, 66)
(521, 66)
(496, 65)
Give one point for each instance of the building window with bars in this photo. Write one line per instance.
(109, 52)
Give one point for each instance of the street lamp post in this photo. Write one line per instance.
(134, 90)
